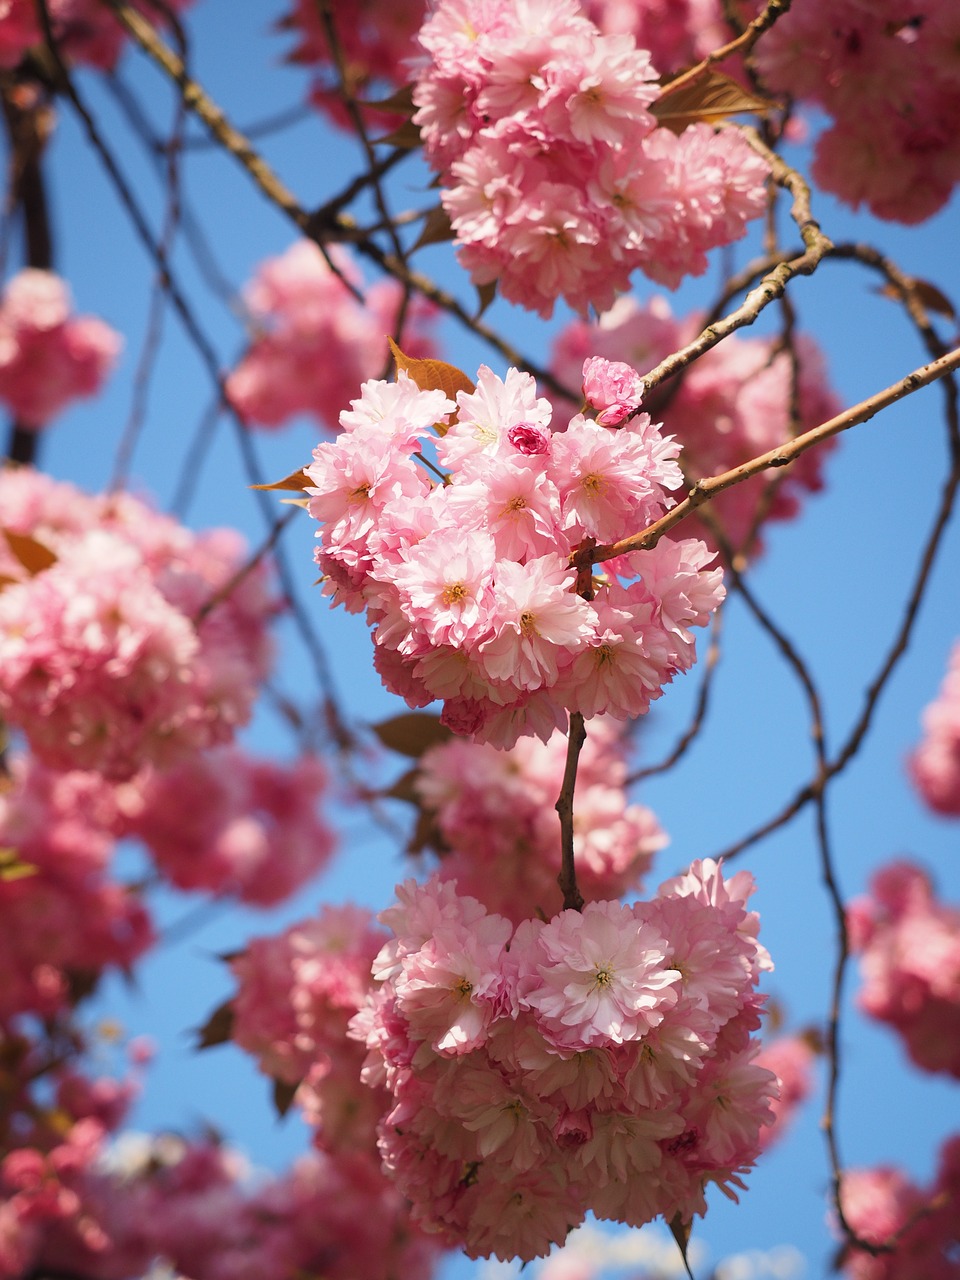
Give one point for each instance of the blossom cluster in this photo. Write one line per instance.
(882, 1205)
(731, 404)
(493, 821)
(223, 823)
(74, 1203)
(909, 945)
(468, 583)
(600, 1060)
(935, 764)
(376, 37)
(296, 993)
(556, 178)
(129, 643)
(85, 31)
(888, 74)
(48, 357)
(678, 33)
(314, 341)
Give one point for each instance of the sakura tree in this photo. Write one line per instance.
(478, 639)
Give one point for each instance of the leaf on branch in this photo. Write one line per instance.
(218, 1028)
(400, 103)
(296, 480)
(436, 228)
(433, 375)
(33, 555)
(680, 1231)
(928, 295)
(12, 867)
(710, 99)
(406, 138)
(404, 788)
(283, 1096)
(485, 295)
(412, 733)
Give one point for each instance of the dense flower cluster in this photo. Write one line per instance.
(909, 948)
(468, 584)
(85, 30)
(596, 1061)
(48, 356)
(133, 645)
(315, 342)
(296, 994)
(493, 820)
(888, 73)
(791, 1060)
(225, 822)
(882, 1205)
(75, 1204)
(64, 918)
(678, 33)
(935, 765)
(557, 180)
(376, 37)
(731, 404)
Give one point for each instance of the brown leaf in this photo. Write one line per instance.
(400, 102)
(412, 733)
(33, 555)
(485, 295)
(406, 138)
(296, 480)
(283, 1096)
(218, 1028)
(680, 1231)
(928, 294)
(404, 788)
(436, 228)
(433, 375)
(711, 98)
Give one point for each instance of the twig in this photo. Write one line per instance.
(567, 879)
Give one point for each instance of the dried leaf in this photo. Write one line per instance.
(406, 138)
(436, 228)
(412, 733)
(485, 295)
(296, 480)
(33, 555)
(400, 102)
(712, 98)
(928, 294)
(218, 1028)
(404, 788)
(680, 1231)
(432, 375)
(283, 1096)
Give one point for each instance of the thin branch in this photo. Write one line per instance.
(567, 879)
(742, 43)
(780, 456)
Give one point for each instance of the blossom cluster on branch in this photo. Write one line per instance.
(935, 763)
(600, 1060)
(557, 180)
(467, 582)
(48, 357)
(314, 342)
(909, 945)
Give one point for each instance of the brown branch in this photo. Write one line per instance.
(567, 879)
(780, 456)
(742, 43)
(27, 116)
